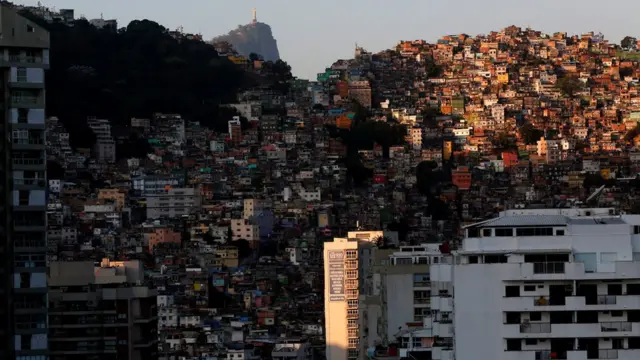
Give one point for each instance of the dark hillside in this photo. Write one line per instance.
(134, 72)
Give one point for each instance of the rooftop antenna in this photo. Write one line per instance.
(255, 15)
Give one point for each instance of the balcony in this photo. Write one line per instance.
(615, 326)
(28, 163)
(601, 300)
(548, 268)
(535, 328)
(41, 183)
(28, 143)
(607, 354)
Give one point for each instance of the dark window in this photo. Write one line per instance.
(30, 28)
(614, 289)
(616, 313)
(514, 345)
(633, 289)
(560, 232)
(534, 231)
(25, 280)
(531, 341)
(529, 288)
(535, 316)
(512, 291)
(25, 342)
(513, 317)
(504, 232)
(23, 197)
(636, 229)
(23, 116)
(473, 259)
(486, 232)
(495, 259)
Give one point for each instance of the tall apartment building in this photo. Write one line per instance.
(399, 310)
(174, 203)
(346, 277)
(101, 312)
(24, 56)
(541, 284)
(105, 147)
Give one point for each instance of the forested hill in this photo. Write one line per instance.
(134, 72)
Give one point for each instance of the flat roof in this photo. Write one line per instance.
(525, 220)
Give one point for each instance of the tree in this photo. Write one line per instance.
(628, 43)
(593, 180)
(530, 134)
(133, 72)
(625, 71)
(570, 85)
(504, 141)
(208, 238)
(244, 249)
(632, 134)
(54, 170)
(382, 242)
(254, 57)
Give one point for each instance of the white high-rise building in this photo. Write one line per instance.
(541, 284)
(346, 278)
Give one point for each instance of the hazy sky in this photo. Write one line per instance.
(312, 34)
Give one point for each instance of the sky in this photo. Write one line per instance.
(312, 34)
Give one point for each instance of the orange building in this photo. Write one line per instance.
(118, 196)
(343, 122)
(461, 177)
(509, 159)
(163, 236)
(343, 89)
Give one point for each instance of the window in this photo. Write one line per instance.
(512, 291)
(30, 29)
(486, 232)
(495, 259)
(531, 341)
(514, 345)
(535, 316)
(23, 116)
(473, 259)
(421, 280)
(636, 229)
(559, 232)
(25, 280)
(608, 257)
(529, 288)
(23, 198)
(513, 317)
(616, 313)
(504, 232)
(25, 342)
(21, 74)
(534, 231)
(589, 260)
(420, 313)
(404, 261)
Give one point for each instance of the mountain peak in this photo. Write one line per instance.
(255, 37)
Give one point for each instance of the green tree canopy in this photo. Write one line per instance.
(570, 85)
(530, 134)
(628, 42)
(134, 72)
